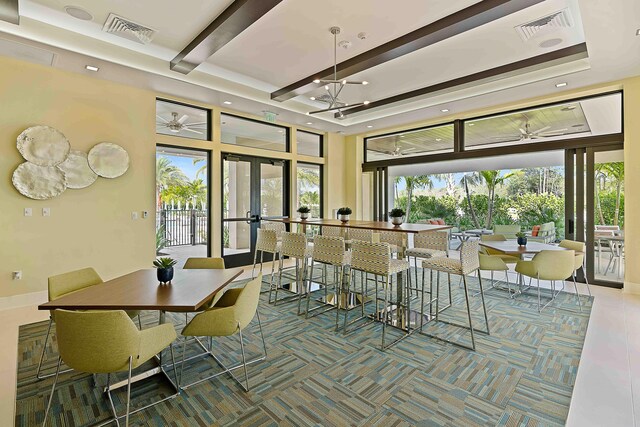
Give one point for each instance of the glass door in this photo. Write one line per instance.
(253, 189)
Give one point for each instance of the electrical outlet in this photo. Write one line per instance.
(17, 275)
(134, 215)
(28, 212)
(46, 211)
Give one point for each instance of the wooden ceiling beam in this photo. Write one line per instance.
(557, 57)
(230, 23)
(464, 20)
(9, 11)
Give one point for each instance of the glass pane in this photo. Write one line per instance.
(419, 142)
(309, 144)
(248, 133)
(609, 216)
(589, 117)
(182, 120)
(236, 200)
(309, 188)
(182, 219)
(271, 190)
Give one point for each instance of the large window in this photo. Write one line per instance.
(411, 143)
(250, 133)
(186, 121)
(309, 177)
(309, 144)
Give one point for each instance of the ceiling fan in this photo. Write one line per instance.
(397, 151)
(527, 134)
(176, 124)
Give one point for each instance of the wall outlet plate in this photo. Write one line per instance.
(134, 215)
(28, 212)
(46, 211)
(17, 275)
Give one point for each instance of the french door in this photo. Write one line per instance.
(253, 189)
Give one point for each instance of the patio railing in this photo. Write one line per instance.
(184, 227)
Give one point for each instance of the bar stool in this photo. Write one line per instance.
(361, 234)
(468, 264)
(332, 231)
(278, 227)
(294, 245)
(328, 251)
(266, 242)
(397, 241)
(434, 244)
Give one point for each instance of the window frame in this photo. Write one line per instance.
(321, 143)
(321, 189)
(209, 132)
(287, 132)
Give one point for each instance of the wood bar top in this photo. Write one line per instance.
(510, 247)
(140, 290)
(369, 225)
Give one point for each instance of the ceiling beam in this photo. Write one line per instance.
(230, 23)
(464, 20)
(9, 11)
(557, 57)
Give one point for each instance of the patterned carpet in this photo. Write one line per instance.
(521, 375)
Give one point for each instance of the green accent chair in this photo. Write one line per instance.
(204, 263)
(106, 342)
(580, 250)
(546, 234)
(492, 260)
(233, 312)
(552, 265)
(66, 284)
(507, 230)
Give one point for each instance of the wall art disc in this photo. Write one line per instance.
(43, 145)
(108, 160)
(39, 182)
(77, 170)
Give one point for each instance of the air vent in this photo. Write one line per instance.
(555, 21)
(127, 29)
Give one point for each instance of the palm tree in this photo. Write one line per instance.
(492, 180)
(414, 183)
(470, 178)
(167, 175)
(450, 182)
(615, 170)
(203, 169)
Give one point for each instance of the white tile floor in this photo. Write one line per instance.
(608, 376)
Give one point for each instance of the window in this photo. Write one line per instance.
(176, 119)
(601, 115)
(309, 144)
(417, 142)
(250, 133)
(309, 177)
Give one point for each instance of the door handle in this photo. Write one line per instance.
(249, 217)
(571, 226)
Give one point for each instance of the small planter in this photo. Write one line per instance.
(397, 220)
(344, 218)
(165, 275)
(522, 241)
(304, 216)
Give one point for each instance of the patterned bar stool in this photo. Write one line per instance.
(397, 242)
(278, 227)
(375, 258)
(328, 251)
(294, 245)
(266, 242)
(434, 244)
(361, 234)
(468, 264)
(330, 231)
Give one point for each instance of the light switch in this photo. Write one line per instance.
(28, 212)
(46, 211)
(134, 215)
(17, 275)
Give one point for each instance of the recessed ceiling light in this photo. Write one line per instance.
(445, 110)
(227, 102)
(562, 84)
(366, 82)
(438, 139)
(401, 136)
(638, 32)
(309, 123)
(91, 67)
(78, 13)
(366, 102)
(313, 98)
(316, 81)
(369, 126)
(550, 43)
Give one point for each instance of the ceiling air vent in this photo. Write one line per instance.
(127, 29)
(555, 21)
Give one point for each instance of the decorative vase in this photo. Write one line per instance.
(343, 218)
(304, 215)
(165, 275)
(522, 241)
(397, 220)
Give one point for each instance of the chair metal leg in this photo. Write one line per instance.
(126, 417)
(339, 292)
(306, 314)
(466, 296)
(584, 272)
(386, 290)
(140, 322)
(53, 389)
(44, 349)
(244, 360)
(575, 285)
(484, 307)
(264, 345)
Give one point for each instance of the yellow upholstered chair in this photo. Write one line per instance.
(204, 263)
(580, 249)
(104, 342)
(492, 260)
(508, 259)
(231, 315)
(552, 265)
(65, 284)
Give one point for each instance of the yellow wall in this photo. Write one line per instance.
(93, 226)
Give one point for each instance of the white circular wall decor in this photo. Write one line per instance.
(108, 160)
(43, 145)
(77, 170)
(39, 182)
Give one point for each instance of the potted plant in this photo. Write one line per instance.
(165, 269)
(343, 214)
(522, 238)
(397, 216)
(304, 212)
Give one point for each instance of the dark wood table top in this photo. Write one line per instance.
(140, 290)
(510, 247)
(369, 225)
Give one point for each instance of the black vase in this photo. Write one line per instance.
(522, 241)
(165, 275)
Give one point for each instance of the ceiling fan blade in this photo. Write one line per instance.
(183, 119)
(553, 131)
(195, 124)
(162, 119)
(542, 129)
(191, 130)
(523, 132)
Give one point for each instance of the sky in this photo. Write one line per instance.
(185, 164)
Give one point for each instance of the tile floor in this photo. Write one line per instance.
(608, 376)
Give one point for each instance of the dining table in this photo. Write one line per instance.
(189, 291)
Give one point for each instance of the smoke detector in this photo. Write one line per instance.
(345, 44)
(125, 28)
(555, 21)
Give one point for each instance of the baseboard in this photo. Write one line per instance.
(631, 288)
(23, 300)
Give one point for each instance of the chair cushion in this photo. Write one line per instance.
(397, 266)
(447, 265)
(433, 222)
(535, 230)
(425, 253)
(440, 221)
